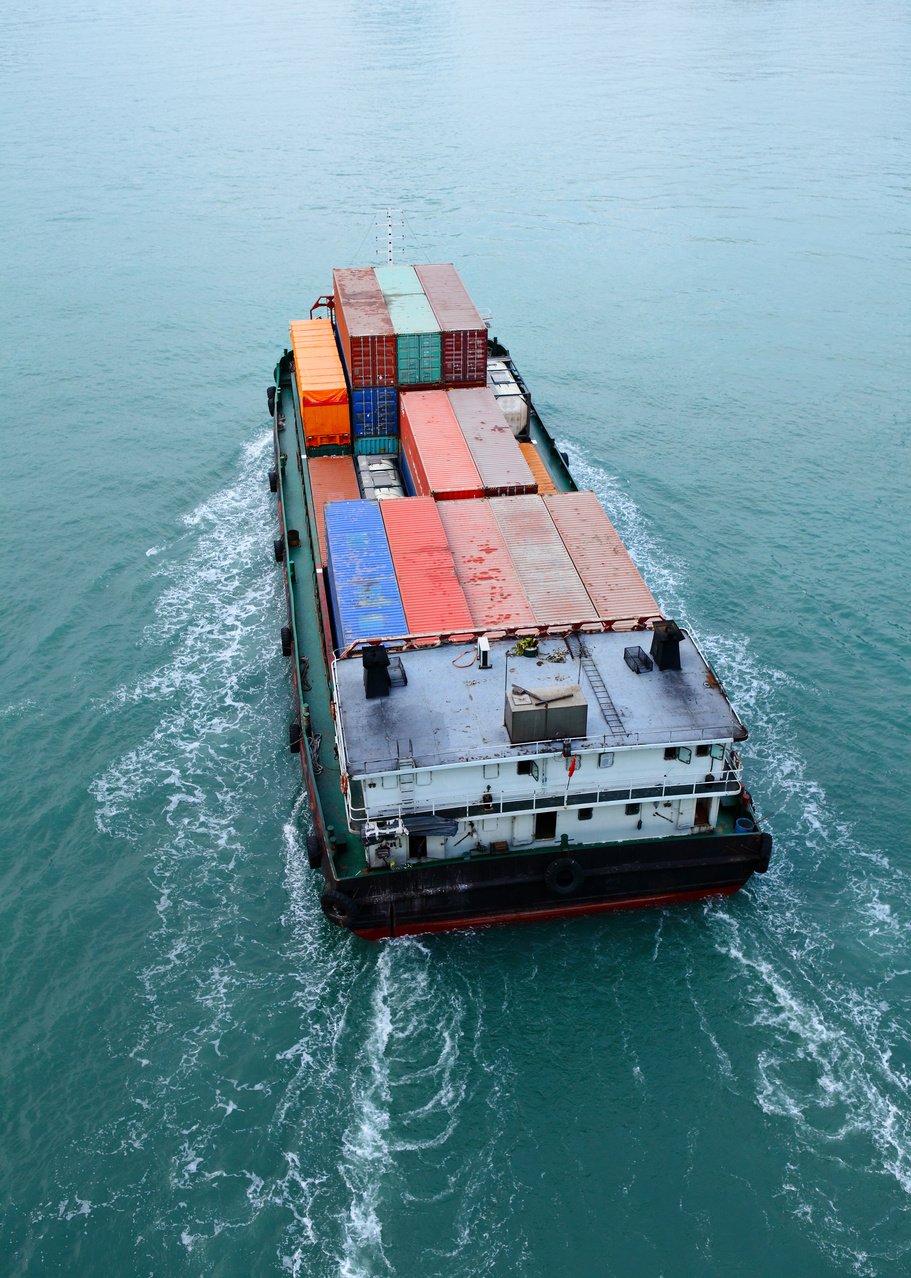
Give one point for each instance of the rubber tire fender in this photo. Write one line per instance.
(273, 481)
(314, 851)
(555, 876)
(339, 907)
(278, 547)
(287, 641)
(270, 400)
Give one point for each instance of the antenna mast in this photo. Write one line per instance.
(389, 249)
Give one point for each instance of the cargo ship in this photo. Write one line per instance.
(495, 720)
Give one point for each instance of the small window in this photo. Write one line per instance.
(527, 768)
(585, 814)
(670, 752)
(390, 783)
(606, 759)
(423, 778)
(685, 754)
(702, 751)
(632, 809)
(717, 752)
(491, 770)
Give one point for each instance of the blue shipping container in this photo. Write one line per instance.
(363, 591)
(374, 411)
(407, 481)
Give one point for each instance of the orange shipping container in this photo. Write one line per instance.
(331, 479)
(538, 469)
(320, 383)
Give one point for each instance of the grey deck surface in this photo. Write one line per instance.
(448, 715)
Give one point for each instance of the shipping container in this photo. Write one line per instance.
(321, 384)
(433, 600)
(418, 359)
(374, 411)
(438, 460)
(544, 565)
(612, 580)
(484, 567)
(508, 394)
(364, 596)
(376, 444)
(364, 328)
(398, 281)
(538, 469)
(464, 333)
(331, 479)
(501, 465)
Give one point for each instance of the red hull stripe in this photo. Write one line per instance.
(537, 916)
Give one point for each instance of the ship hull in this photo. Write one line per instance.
(537, 887)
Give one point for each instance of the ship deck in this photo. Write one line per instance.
(453, 712)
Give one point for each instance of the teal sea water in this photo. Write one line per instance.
(690, 221)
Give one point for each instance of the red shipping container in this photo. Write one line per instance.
(364, 328)
(554, 588)
(499, 459)
(331, 479)
(434, 447)
(484, 566)
(433, 600)
(608, 573)
(464, 332)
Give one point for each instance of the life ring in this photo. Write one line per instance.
(564, 876)
(339, 908)
(344, 783)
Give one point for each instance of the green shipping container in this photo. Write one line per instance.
(398, 281)
(378, 444)
(418, 341)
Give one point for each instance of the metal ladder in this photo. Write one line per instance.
(406, 778)
(599, 687)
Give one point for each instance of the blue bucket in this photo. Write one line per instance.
(743, 825)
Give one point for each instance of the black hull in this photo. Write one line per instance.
(538, 886)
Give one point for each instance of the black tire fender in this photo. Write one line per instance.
(294, 738)
(279, 547)
(273, 481)
(287, 641)
(314, 851)
(270, 400)
(338, 907)
(564, 876)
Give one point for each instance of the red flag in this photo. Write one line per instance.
(572, 766)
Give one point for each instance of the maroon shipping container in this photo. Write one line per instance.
(433, 600)
(364, 328)
(602, 561)
(434, 448)
(499, 459)
(464, 332)
(484, 566)
(550, 580)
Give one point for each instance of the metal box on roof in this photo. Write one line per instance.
(544, 565)
(418, 358)
(542, 714)
(433, 600)
(438, 460)
(331, 479)
(364, 328)
(500, 462)
(538, 469)
(321, 387)
(364, 596)
(374, 411)
(484, 567)
(608, 573)
(464, 333)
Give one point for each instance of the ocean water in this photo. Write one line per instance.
(690, 222)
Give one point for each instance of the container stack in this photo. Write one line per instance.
(417, 333)
(434, 458)
(368, 344)
(484, 566)
(499, 459)
(463, 332)
(320, 384)
(433, 600)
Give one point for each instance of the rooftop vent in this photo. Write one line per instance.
(666, 645)
(637, 660)
(376, 671)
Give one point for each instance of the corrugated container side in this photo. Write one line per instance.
(365, 330)
(370, 445)
(418, 349)
(538, 469)
(608, 573)
(433, 600)
(499, 459)
(439, 462)
(484, 566)
(398, 281)
(321, 385)
(331, 479)
(544, 565)
(375, 411)
(464, 344)
(365, 598)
